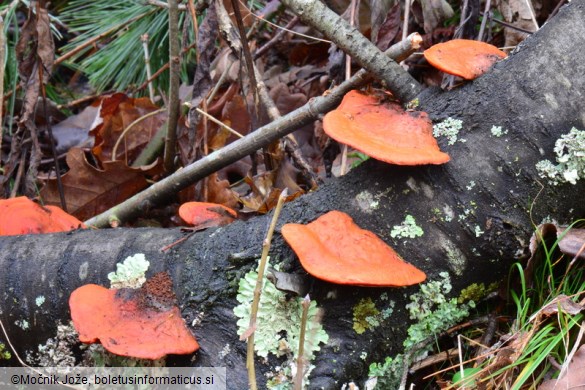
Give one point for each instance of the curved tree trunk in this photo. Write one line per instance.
(477, 214)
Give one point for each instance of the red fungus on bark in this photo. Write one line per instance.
(335, 249)
(143, 323)
(463, 57)
(23, 216)
(203, 215)
(384, 131)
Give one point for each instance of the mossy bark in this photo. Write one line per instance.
(477, 214)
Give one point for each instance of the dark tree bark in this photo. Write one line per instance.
(536, 94)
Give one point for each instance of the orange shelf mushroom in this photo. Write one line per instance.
(384, 131)
(463, 57)
(142, 323)
(335, 249)
(23, 216)
(203, 215)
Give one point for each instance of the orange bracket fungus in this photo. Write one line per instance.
(463, 57)
(384, 131)
(142, 323)
(203, 215)
(335, 249)
(23, 216)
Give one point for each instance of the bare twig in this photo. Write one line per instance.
(298, 381)
(174, 103)
(162, 4)
(218, 122)
(290, 143)
(243, 147)
(246, 51)
(262, 50)
(258, 290)
(144, 39)
(351, 41)
(353, 5)
(486, 14)
(2, 56)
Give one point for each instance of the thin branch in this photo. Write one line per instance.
(162, 4)
(258, 290)
(144, 39)
(276, 38)
(175, 80)
(218, 122)
(247, 55)
(158, 192)
(2, 56)
(351, 41)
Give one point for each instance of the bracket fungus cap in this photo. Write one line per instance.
(141, 323)
(465, 58)
(335, 249)
(203, 214)
(23, 216)
(384, 131)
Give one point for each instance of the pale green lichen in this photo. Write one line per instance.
(478, 231)
(570, 156)
(433, 311)
(22, 324)
(278, 315)
(449, 128)
(131, 273)
(40, 300)
(386, 375)
(470, 185)
(497, 131)
(407, 229)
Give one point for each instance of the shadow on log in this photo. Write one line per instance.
(474, 211)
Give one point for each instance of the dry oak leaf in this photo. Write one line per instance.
(90, 191)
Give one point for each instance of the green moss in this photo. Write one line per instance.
(4, 352)
(365, 315)
(475, 292)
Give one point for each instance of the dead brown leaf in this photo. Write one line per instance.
(90, 191)
(561, 303)
(575, 375)
(117, 112)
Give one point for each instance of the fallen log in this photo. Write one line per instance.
(477, 213)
